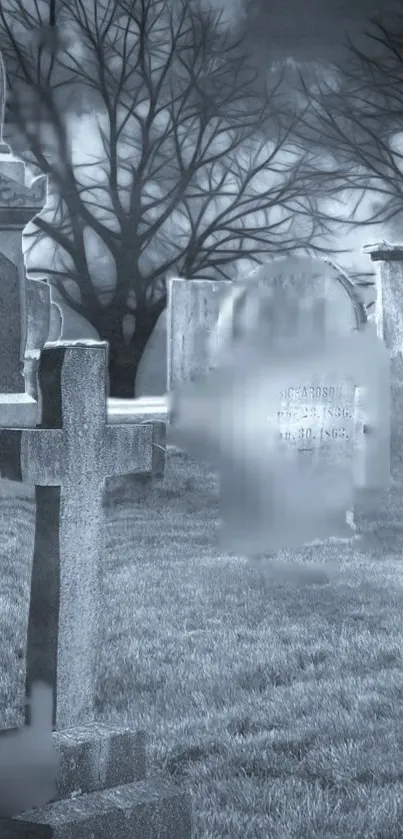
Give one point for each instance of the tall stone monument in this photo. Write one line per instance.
(23, 336)
(389, 326)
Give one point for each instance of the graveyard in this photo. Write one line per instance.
(197, 690)
(276, 701)
(201, 425)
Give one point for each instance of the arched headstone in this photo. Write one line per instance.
(294, 309)
(312, 299)
(290, 298)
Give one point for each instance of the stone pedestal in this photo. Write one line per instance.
(389, 327)
(103, 792)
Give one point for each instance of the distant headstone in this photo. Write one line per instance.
(321, 301)
(294, 297)
(301, 314)
(279, 488)
(296, 483)
(192, 314)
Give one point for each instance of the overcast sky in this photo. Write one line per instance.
(309, 29)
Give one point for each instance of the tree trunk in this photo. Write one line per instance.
(124, 358)
(123, 364)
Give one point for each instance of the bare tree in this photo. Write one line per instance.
(356, 118)
(188, 164)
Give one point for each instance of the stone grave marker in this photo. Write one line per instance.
(297, 308)
(24, 333)
(55, 437)
(298, 471)
(283, 445)
(192, 313)
(67, 459)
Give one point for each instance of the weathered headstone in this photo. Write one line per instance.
(202, 314)
(192, 314)
(295, 306)
(299, 469)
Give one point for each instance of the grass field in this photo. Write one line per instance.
(277, 699)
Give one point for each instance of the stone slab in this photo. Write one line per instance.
(158, 453)
(18, 410)
(151, 809)
(192, 313)
(97, 756)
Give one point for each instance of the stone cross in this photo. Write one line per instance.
(68, 459)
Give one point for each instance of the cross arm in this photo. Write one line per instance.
(42, 456)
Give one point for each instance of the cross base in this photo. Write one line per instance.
(102, 791)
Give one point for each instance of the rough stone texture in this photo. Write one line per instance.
(373, 416)
(159, 443)
(76, 450)
(144, 810)
(11, 376)
(67, 457)
(389, 322)
(193, 308)
(24, 304)
(96, 757)
(141, 410)
(37, 319)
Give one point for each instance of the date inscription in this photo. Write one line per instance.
(313, 417)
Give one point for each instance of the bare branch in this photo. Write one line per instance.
(190, 161)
